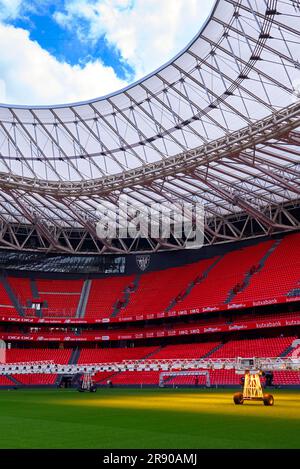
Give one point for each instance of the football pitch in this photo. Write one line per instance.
(144, 418)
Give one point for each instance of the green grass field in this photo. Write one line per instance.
(151, 419)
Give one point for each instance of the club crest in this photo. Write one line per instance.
(143, 262)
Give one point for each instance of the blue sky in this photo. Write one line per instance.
(66, 46)
(70, 50)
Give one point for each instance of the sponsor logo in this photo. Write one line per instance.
(290, 299)
(268, 324)
(20, 337)
(236, 306)
(208, 309)
(292, 322)
(212, 329)
(138, 336)
(237, 327)
(265, 302)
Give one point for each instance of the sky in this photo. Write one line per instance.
(64, 51)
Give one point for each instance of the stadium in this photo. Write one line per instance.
(162, 332)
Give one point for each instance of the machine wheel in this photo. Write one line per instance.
(238, 398)
(268, 399)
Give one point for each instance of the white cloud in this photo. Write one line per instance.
(9, 9)
(12, 9)
(147, 33)
(30, 75)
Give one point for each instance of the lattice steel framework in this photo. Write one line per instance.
(271, 364)
(220, 124)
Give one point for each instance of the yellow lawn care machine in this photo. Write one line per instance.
(252, 389)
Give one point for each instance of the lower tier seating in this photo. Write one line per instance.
(266, 347)
(4, 381)
(60, 357)
(36, 379)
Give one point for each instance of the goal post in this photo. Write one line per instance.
(166, 375)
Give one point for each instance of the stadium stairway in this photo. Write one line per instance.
(208, 354)
(158, 349)
(250, 274)
(291, 348)
(83, 300)
(74, 356)
(72, 361)
(126, 296)
(294, 292)
(106, 377)
(12, 296)
(287, 351)
(192, 284)
(34, 290)
(14, 380)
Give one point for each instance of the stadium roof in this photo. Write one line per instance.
(218, 124)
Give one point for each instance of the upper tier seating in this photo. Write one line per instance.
(6, 307)
(228, 272)
(280, 275)
(238, 276)
(104, 294)
(156, 290)
(21, 289)
(62, 296)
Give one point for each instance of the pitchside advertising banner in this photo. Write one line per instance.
(179, 331)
